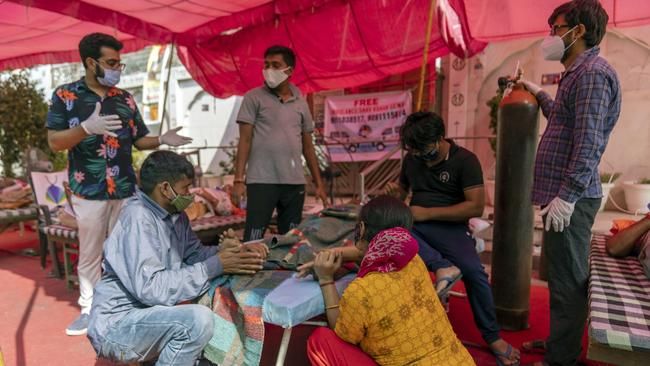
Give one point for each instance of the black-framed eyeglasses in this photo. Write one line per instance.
(557, 27)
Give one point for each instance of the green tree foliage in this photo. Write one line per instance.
(228, 166)
(22, 119)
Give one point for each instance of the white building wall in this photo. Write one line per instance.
(208, 120)
(629, 146)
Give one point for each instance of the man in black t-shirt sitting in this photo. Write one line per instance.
(447, 185)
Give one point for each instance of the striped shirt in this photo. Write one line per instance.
(580, 119)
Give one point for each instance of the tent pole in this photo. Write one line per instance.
(166, 91)
(425, 55)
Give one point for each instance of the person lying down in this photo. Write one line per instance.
(631, 238)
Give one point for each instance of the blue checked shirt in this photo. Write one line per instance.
(580, 119)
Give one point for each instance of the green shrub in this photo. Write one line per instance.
(228, 166)
(493, 103)
(22, 119)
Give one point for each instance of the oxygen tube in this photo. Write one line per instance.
(610, 197)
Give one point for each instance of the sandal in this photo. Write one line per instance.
(506, 355)
(451, 281)
(534, 346)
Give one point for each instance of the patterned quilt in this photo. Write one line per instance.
(237, 305)
(237, 300)
(334, 227)
(619, 300)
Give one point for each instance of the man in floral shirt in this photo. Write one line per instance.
(98, 124)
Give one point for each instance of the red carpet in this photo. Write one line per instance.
(461, 319)
(34, 311)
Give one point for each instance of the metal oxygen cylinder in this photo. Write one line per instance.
(517, 130)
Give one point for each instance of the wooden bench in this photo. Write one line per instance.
(16, 215)
(619, 308)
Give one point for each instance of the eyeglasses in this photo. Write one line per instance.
(417, 152)
(114, 64)
(557, 27)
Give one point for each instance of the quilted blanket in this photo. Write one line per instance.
(238, 326)
(332, 228)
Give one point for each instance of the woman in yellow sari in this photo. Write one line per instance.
(390, 314)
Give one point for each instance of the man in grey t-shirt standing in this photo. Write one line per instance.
(275, 131)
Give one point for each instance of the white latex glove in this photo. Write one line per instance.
(101, 125)
(531, 87)
(171, 138)
(558, 213)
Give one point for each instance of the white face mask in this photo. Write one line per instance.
(275, 77)
(553, 47)
(111, 77)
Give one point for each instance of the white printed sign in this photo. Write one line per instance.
(364, 127)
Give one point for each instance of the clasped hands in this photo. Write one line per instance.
(239, 258)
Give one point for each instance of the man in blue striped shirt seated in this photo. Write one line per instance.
(153, 261)
(566, 183)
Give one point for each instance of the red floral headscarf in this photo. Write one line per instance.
(389, 251)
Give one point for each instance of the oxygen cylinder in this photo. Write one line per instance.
(517, 132)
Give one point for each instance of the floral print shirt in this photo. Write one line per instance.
(99, 167)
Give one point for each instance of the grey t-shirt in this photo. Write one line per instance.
(276, 149)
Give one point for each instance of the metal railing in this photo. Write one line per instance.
(371, 168)
(390, 174)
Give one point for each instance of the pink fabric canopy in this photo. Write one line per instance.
(491, 21)
(339, 43)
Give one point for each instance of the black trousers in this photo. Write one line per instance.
(262, 199)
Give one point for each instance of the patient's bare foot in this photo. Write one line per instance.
(228, 240)
(449, 272)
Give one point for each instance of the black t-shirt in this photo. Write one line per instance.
(445, 183)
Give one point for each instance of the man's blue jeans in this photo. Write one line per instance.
(171, 335)
(443, 244)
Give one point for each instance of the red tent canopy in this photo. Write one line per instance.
(338, 43)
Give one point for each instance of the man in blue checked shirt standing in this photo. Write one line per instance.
(566, 183)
